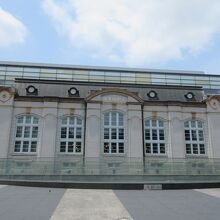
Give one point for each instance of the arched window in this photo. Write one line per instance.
(113, 133)
(71, 135)
(154, 137)
(26, 134)
(194, 138)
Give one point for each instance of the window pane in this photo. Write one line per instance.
(19, 131)
(63, 132)
(62, 147)
(161, 133)
(160, 123)
(187, 135)
(114, 135)
(17, 146)
(33, 146)
(78, 132)
(202, 148)
(195, 149)
(106, 119)
(154, 123)
(193, 124)
(199, 124)
(20, 120)
(78, 147)
(147, 134)
(121, 119)
(155, 148)
(201, 137)
(188, 149)
(79, 121)
(121, 147)
(186, 124)
(154, 134)
(25, 146)
(114, 148)
(194, 136)
(71, 121)
(162, 148)
(64, 121)
(28, 119)
(121, 133)
(35, 120)
(147, 123)
(106, 133)
(71, 132)
(106, 147)
(148, 148)
(34, 132)
(113, 119)
(27, 132)
(70, 147)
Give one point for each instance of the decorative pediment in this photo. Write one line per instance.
(113, 95)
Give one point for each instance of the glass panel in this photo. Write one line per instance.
(202, 148)
(106, 147)
(64, 121)
(34, 132)
(113, 133)
(25, 146)
(154, 134)
(155, 148)
(201, 137)
(128, 77)
(106, 133)
(161, 134)
(121, 147)
(114, 148)
(121, 119)
(80, 75)
(20, 120)
(35, 120)
(113, 119)
(33, 146)
(112, 77)
(187, 135)
(162, 148)
(106, 119)
(96, 76)
(188, 149)
(148, 148)
(194, 136)
(147, 134)
(71, 121)
(62, 147)
(121, 133)
(79, 121)
(78, 132)
(28, 119)
(17, 146)
(70, 147)
(195, 149)
(27, 131)
(19, 132)
(78, 147)
(63, 132)
(71, 132)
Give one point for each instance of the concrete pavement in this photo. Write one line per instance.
(30, 203)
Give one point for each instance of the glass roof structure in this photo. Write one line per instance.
(9, 71)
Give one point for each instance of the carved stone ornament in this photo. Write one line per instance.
(214, 103)
(5, 95)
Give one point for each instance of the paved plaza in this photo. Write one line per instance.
(32, 203)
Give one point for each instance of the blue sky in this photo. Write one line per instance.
(167, 34)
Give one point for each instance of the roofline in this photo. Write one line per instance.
(99, 68)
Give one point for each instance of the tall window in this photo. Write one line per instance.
(194, 138)
(154, 137)
(113, 133)
(26, 134)
(71, 135)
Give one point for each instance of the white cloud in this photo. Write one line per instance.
(12, 31)
(136, 32)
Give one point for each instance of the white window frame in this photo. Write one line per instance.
(117, 141)
(74, 140)
(201, 146)
(22, 138)
(151, 141)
